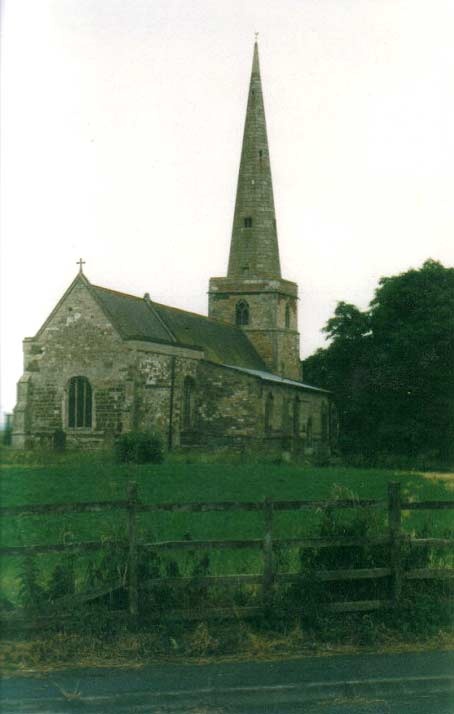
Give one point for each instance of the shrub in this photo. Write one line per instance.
(139, 447)
(7, 434)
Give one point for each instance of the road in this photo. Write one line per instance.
(416, 683)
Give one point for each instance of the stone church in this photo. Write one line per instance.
(105, 362)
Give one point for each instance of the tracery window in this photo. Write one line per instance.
(242, 313)
(188, 402)
(80, 398)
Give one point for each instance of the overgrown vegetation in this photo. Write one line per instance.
(49, 582)
(390, 369)
(139, 447)
(293, 623)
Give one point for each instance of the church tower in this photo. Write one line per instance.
(253, 295)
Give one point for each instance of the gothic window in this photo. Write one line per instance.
(269, 413)
(242, 313)
(287, 315)
(188, 402)
(324, 420)
(285, 416)
(309, 432)
(296, 416)
(248, 222)
(80, 399)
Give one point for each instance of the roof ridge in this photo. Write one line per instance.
(116, 292)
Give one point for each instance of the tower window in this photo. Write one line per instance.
(242, 313)
(287, 315)
(260, 154)
(248, 222)
(79, 402)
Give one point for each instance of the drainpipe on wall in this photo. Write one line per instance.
(172, 391)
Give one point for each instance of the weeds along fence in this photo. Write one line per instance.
(394, 540)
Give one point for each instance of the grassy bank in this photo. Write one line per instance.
(42, 478)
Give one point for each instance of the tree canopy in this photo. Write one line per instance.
(391, 367)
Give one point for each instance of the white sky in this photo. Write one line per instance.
(121, 133)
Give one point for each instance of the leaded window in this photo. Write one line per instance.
(242, 313)
(80, 397)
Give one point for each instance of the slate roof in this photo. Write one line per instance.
(221, 342)
(142, 319)
(270, 377)
(132, 316)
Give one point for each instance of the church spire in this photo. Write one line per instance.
(254, 250)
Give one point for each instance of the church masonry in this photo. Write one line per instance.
(106, 362)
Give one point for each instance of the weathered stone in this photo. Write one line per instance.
(105, 362)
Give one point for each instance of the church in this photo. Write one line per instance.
(106, 362)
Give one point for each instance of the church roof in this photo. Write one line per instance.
(221, 342)
(142, 319)
(270, 377)
(132, 316)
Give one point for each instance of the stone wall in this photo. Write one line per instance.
(132, 383)
(141, 385)
(231, 412)
(275, 341)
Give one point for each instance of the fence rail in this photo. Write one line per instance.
(394, 539)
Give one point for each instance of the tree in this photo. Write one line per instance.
(391, 368)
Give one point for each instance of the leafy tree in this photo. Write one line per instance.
(391, 368)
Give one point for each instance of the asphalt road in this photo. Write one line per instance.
(416, 683)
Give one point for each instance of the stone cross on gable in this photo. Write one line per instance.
(80, 263)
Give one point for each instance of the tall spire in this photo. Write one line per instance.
(254, 250)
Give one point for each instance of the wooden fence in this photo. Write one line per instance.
(395, 538)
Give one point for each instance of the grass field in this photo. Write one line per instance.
(97, 477)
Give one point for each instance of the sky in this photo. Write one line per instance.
(121, 129)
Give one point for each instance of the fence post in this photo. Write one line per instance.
(133, 595)
(394, 526)
(268, 574)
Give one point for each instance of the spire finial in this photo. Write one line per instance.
(256, 36)
(80, 263)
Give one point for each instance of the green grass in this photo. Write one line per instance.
(96, 477)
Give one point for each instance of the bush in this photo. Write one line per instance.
(7, 435)
(139, 447)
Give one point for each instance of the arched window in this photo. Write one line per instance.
(309, 432)
(188, 402)
(324, 422)
(287, 315)
(242, 313)
(79, 402)
(269, 413)
(296, 416)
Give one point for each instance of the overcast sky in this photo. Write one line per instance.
(121, 133)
